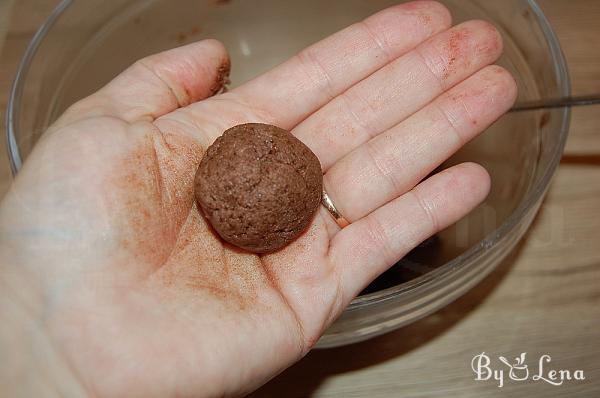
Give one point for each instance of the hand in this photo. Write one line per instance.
(106, 254)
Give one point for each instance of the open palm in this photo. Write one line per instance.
(138, 294)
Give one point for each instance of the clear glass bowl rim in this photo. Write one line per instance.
(421, 283)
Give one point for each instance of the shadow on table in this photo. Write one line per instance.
(303, 379)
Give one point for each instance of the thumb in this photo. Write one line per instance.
(158, 84)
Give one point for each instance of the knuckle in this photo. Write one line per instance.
(313, 69)
(453, 111)
(377, 236)
(383, 167)
(428, 211)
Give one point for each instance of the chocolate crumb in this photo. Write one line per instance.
(181, 38)
(544, 120)
(222, 80)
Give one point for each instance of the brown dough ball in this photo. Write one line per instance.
(259, 186)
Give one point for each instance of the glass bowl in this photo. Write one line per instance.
(83, 44)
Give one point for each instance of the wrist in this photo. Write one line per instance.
(31, 364)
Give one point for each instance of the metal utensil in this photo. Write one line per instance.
(557, 103)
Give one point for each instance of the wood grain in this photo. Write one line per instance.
(545, 298)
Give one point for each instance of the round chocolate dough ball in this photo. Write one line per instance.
(259, 186)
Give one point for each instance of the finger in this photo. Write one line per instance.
(309, 80)
(159, 84)
(395, 161)
(371, 245)
(399, 89)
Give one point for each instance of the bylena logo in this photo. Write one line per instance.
(518, 370)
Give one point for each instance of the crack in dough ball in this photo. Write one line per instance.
(259, 186)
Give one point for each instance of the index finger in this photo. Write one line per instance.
(298, 87)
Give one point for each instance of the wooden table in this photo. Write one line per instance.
(545, 299)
